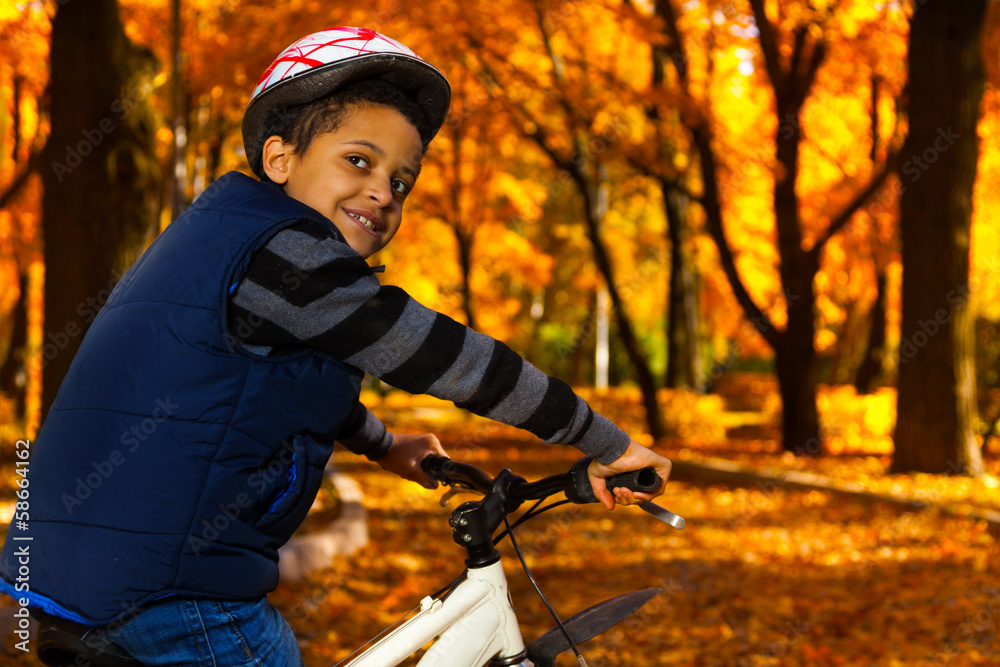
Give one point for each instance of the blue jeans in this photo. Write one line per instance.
(214, 633)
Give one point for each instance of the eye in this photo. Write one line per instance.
(400, 187)
(359, 161)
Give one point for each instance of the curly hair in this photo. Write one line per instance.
(300, 125)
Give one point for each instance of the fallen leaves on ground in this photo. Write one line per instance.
(765, 574)
(760, 576)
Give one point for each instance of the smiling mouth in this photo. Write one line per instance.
(371, 225)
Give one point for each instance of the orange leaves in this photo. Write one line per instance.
(985, 277)
(763, 575)
(582, 73)
(857, 424)
(527, 197)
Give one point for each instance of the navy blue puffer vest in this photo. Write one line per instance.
(174, 461)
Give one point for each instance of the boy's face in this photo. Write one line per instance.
(358, 176)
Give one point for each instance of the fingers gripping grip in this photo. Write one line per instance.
(579, 490)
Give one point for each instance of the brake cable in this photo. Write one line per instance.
(446, 590)
(517, 549)
(532, 513)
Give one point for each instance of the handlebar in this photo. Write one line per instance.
(575, 483)
(473, 523)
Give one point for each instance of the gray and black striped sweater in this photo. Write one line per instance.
(307, 287)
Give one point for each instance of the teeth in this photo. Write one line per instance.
(364, 221)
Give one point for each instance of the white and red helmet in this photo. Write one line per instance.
(322, 62)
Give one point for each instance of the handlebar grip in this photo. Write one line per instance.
(644, 481)
(432, 464)
(579, 489)
(452, 473)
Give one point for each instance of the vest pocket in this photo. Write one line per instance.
(286, 471)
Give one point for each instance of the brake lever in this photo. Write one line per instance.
(452, 492)
(664, 515)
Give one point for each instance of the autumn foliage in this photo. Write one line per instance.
(571, 163)
(495, 232)
(894, 570)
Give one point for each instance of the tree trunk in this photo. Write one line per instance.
(15, 116)
(580, 351)
(792, 76)
(693, 356)
(101, 174)
(214, 158)
(644, 376)
(871, 363)
(681, 338)
(797, 369)
(12, 371)
(180, 110)
(795, 354)
(465, 262)
(842, 353)
(682, 310)
(936, 402)
(464, 238)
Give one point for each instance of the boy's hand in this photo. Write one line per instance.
(634, 458)
(406, 454)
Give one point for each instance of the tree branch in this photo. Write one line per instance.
(805, 83)
(769, 46)
(679, 55)
(668, 174)
(559, 73)
(709, 201)
(713, 216)
(844, 217)
(797, 50)
(520, 75)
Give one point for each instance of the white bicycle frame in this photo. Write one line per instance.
(475, 623)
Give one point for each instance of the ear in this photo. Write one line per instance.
(277, 158)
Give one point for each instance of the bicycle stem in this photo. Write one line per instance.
(474, 522)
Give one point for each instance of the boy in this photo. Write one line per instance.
(189, 438)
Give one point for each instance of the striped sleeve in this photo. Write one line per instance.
(308, 288)
(364, 433)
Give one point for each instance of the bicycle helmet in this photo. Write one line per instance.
(322, 62)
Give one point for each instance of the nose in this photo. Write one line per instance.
(379, 190)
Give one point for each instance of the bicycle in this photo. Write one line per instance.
(477, 600)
